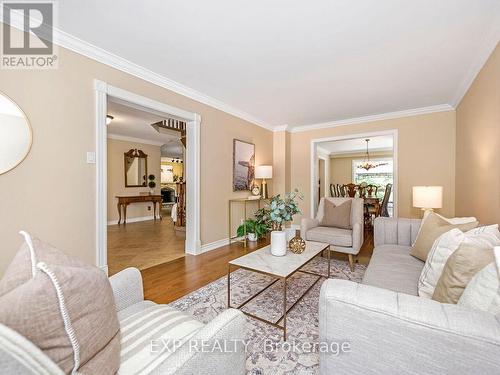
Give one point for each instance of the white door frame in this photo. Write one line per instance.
(314, 159)
(192, 164)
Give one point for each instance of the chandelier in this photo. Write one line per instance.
(367, 164)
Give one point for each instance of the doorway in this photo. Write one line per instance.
(322, 178)
(346, 156)
(106, 93)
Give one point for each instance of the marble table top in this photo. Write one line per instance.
(263, 261)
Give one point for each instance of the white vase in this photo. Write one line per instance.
(252, 237)
(278, 243)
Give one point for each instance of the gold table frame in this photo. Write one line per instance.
(282, 278)
(230, 217)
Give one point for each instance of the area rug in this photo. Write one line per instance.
(266, 353)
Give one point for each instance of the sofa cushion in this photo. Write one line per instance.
(66, 309)
(332, 236)
(392, 267)
(149, 333)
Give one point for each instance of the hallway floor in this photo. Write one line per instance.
(143, 244)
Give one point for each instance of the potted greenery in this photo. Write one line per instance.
(276, 213)
(254, 229)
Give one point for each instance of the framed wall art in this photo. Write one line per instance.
(243, 165)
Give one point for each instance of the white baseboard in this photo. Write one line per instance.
(133, 220)
(214, 245)
(225, 241)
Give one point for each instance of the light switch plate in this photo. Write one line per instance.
(91, 157)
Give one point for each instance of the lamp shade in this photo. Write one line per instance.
(264, 171)
(428, 196)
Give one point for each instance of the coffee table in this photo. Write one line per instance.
(281, 268)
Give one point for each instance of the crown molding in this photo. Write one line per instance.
(485, 50)
(93, 52)
(98, 54)
(360, 152)
(281, 128)
(378, 117)
(126, 138)
(75, 44)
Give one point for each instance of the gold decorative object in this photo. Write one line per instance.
(297, 244)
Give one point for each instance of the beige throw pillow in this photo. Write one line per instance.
(451, 220)
(458, 271)
(66, 309)
(336, 216)
(433, 227)
(445, 245)
(23, 266)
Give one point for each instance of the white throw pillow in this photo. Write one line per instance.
(483, 291)
(451, 220)
(445, 245)
(441, 250)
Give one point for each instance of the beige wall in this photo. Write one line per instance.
(281, 162)
(116, 177)
(341, 166)
(426, 147)
(52, 193)
(478, 146)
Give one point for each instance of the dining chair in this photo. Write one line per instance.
(370, 190)
(337, 190)
(385, 201)
(351, 189)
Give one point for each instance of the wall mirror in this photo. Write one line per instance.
(136, 168)
(15, 135)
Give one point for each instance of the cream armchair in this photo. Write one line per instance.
(347, 241)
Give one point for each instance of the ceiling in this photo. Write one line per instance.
(357, 145)
(133, 123)
(297, 62)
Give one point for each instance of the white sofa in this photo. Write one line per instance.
(347, 241)
(140, 322)
(390, 329)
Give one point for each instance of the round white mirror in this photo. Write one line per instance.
(15, 135)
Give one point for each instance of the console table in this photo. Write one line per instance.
(244, 201)
(124, 201)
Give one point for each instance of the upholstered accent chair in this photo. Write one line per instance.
(346, 241)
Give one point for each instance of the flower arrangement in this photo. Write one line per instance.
(279, 210)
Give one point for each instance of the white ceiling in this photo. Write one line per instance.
(296, 62)
(133, 123)
(348, 146)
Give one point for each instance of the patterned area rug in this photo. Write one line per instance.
(266, 352)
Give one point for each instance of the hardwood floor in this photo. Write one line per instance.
(167, 282)
(143, 244)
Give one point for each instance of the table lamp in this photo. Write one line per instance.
(427, 198)
(264, 171)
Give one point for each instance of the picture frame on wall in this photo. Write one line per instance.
(243, 165)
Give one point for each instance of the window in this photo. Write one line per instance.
(379, 176)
